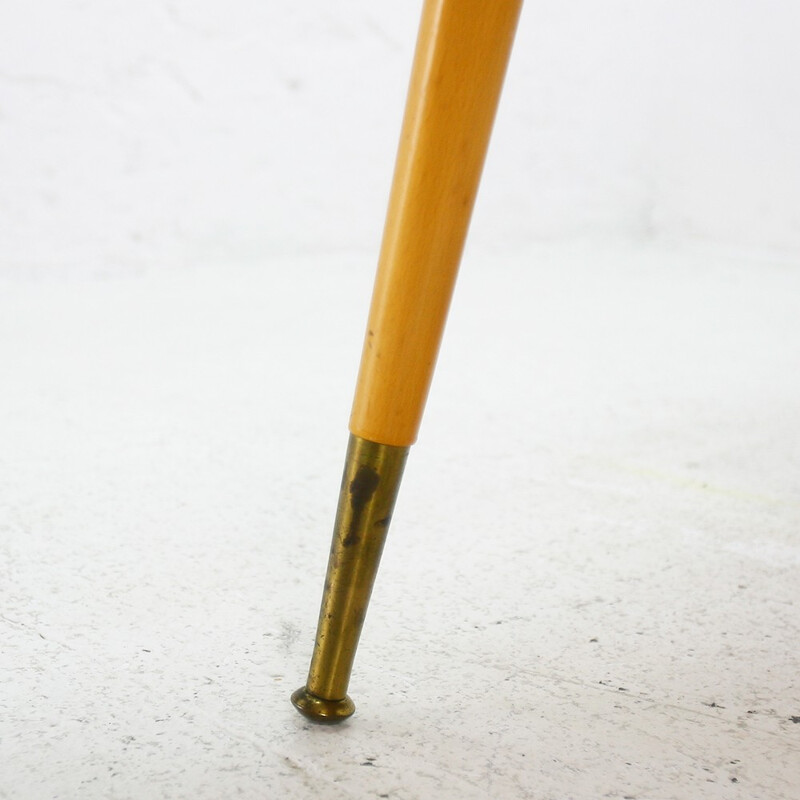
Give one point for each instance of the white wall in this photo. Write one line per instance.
(169, 131)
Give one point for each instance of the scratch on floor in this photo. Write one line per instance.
(313, 780)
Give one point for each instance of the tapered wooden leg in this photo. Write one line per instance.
(459, 65)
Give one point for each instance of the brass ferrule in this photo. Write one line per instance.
(370, 483)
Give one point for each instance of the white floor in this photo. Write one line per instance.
(592, 582)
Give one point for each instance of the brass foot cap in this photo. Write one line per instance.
(318, 709)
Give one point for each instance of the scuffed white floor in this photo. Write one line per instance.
(592, 582)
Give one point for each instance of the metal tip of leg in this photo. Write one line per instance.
(318, 709)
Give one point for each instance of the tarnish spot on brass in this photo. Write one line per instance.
(362, 487)
(383, 523)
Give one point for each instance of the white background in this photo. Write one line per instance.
(159, 133)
